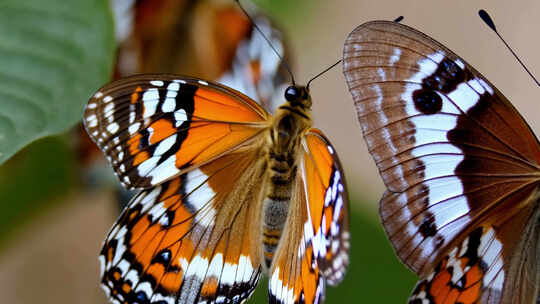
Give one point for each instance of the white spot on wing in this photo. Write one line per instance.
(123, 266)
(173, 87)
(464, 96)
(382, 74)
(197, 267)
(198, 191)
(157, 298)
(161, 172)
(146, 288)
(180, 116)
(108, 109)
(169, 104)
(102, 264)
(134, 128)
(165, 145)
(112, 128)
(92, 121)
(150, 100)
(228, 274)
(157, 83)
(486, 86)
(214, 270)
(148, 199)
(245, 269)
(395, 57)
(157, 211)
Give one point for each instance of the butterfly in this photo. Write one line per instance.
(228, 192)
(460, 164)
(150, 38)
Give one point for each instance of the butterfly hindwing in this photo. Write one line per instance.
(192, 239)
(314, 247)
(324, 184)
(453, 152)
(155, 127)
(479, 269)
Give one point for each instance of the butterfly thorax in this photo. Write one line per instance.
(290, 121)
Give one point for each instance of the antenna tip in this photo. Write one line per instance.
(398, 19)
(487, 19)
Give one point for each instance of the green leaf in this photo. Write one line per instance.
(32, 181)
(53, 55)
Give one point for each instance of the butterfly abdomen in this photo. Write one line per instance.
(276, 203)
(283, 144)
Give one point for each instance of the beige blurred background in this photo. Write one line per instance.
(54, 258)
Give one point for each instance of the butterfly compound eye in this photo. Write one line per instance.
(292, 93)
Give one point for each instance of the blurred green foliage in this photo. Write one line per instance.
(290, 12)
(53, 55)
(32, 179)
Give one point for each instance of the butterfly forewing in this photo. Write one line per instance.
(155, 127)
(192, 239)
(314, 248)
(455, 155)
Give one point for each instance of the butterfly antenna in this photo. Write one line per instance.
(398, 19)
(487, 19)
(326, 70)
(267, 40)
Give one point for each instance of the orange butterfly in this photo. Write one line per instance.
(226, 48)
(461, 167)
(228, 192)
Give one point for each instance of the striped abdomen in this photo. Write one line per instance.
(276, 203)
(290, 121)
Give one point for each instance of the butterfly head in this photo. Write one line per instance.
(298, 96)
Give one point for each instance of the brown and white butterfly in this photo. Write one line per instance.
(461, 167)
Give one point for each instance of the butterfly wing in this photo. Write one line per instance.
(314, 247)
(224, 45)
(453, 152)
(256, 70)
(193, 239)
(475, 270)
(155, 127)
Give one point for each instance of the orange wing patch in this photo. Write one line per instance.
(314, 246)
(465, 273)
(214, 105)
(191, 239)
(206, 141)
(153, 128)
(328, 206)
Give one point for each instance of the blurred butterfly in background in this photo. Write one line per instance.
(158, 35)
(461, 167)
(228, 191)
